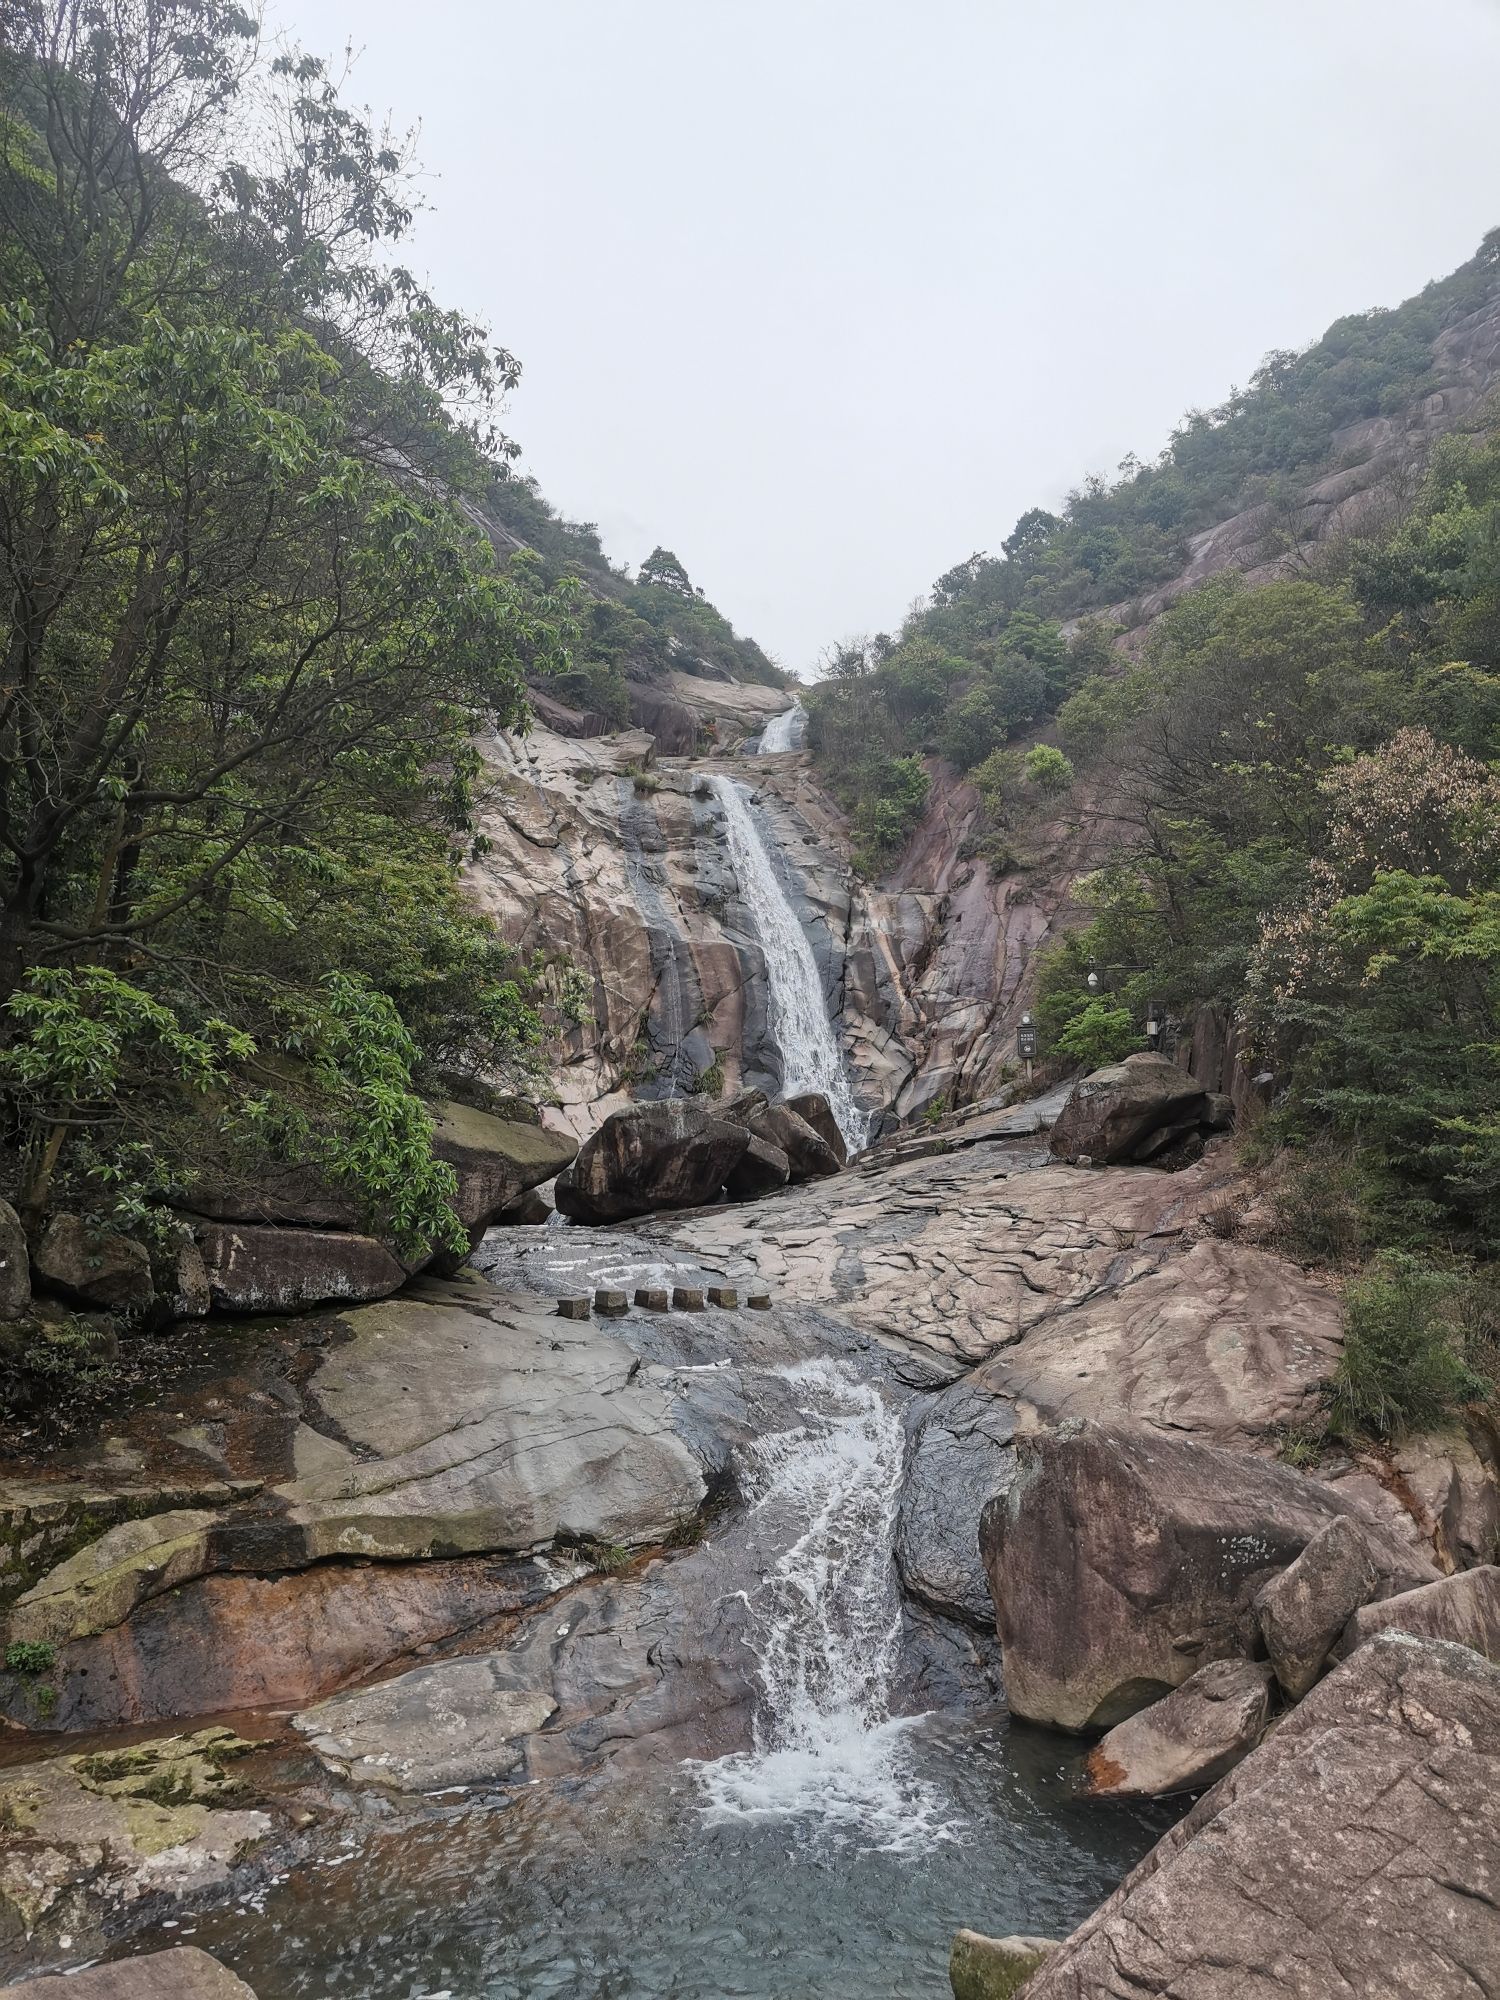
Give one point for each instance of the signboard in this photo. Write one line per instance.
(1026, 1044)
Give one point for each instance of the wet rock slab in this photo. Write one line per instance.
(184, 1973)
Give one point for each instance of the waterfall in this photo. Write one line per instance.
(825, 1624)
(810, 1055)
(783, 731)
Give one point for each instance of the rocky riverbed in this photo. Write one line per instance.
(644, 1627)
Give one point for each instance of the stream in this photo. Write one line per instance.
(834, 1856)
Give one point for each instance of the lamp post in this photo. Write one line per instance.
(1156, 1021)
(1026, 1043)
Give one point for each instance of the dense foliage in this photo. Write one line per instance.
(250, 628)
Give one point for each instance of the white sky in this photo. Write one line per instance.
(823, 293)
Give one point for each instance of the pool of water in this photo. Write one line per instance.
(674, 1884)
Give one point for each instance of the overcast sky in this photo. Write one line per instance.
(822, 294)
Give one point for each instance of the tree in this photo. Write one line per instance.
(251, 631)
(662, 570)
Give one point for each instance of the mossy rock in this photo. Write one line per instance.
(170, 1771)
(986, 1968)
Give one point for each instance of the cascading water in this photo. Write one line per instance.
(783, 731)
(810, 1055)
(825, 1625)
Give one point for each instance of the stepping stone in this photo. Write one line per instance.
(652, 1300)
(759, 1302)
(610, 1304)
(687, 1298)
(572, 1308)
(723, 1295)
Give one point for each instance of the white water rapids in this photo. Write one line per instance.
(825, 1627)
(810, 1055)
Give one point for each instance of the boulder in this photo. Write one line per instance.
(484, 1430)
(529, 1211)
(1303, 1611)
(1121, 1559)
(108, 1578)
(183, 1973)
(1115, 1110)
(1189, 1739)
(1350, 1857)
(986, 1968)
(813, 1108)
(86, 1844)
(959, 1456)
(809, 1155)
(458, 1722)
(15, 1265)
(254, 1269)
(93, 1267)
(1464, 1608)
(761, 1170)
(496, 1159)
(651, 1156)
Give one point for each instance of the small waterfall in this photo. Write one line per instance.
(810, 1055)
(783, 731)
(825, 1624)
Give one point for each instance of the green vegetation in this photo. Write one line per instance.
(30, 1656)
(709, 1082)
(253, 630)
(1410, 1344)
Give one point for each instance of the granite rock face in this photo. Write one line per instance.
(1354, 1856)
(1188, 1739)
(1464, 1608)
(1122, 1559)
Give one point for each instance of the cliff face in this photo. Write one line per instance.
(610, 852)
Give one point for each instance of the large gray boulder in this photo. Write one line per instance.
(808, 1153)
(959, 1456)
(1302, 1611)
(813, 1108)
(255, 1269)
(1189, 1739)
(92, 1267)
(496, 1159)
(1121, 1559)
(1464, 1608)
(1115, 1111)
(15, 1265)
(762, 1169)
(1353, 1856)
(648, 1157)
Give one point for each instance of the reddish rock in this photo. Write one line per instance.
(262, 1270)
(1189, 1739)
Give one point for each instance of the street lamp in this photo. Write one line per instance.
(1093, 981)
(1156, 1020)
(1026, 1043)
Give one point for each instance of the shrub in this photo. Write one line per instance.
(30, 1656)
(1101, 1032)
(1404, 1367)
(710, 1082)
(1048, 769)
